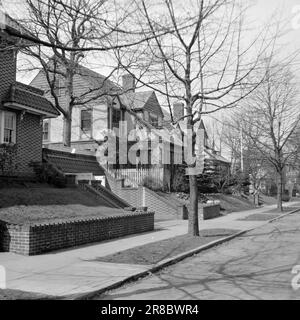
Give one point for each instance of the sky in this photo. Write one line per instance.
(260, 13)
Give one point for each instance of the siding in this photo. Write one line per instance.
(100, 113)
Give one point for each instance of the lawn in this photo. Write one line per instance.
(231, 203)
(44, 203)
(9, 294)
(155, 252)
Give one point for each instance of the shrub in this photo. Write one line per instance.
(285, 196)
(180, 181)
(48, 173)
(8, 164)
(151, 184)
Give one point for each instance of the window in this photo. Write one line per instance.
(146, 115)
(154, 120)
(57, 87)
(46, 130)
(116, 115)
(86, 123)
(8, 132)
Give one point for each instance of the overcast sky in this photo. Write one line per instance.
(261, 12)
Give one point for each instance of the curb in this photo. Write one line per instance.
(167, 262)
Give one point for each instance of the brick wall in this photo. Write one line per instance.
(36, 239)
(29, 130)
(209, 211)
(7, 66)
(29, 145)
(29, 142)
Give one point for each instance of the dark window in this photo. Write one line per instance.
(9, 134)
(116, 117)
(154, 121)
(46, 130)
(86, 122)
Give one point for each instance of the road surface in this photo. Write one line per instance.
(257, 265)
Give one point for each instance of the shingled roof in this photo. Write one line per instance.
(73, 163)
(31, 99)
(143, 100)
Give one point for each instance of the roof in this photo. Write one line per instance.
(97, 81)
(168, 125)
(136, 100)
(215, 156)
(73, 163)
(31, 99)
(12, 26)
(142, 100)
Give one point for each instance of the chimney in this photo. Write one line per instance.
(2, 17)
(178, 110)
(128, 83)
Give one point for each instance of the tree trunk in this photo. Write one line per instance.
(67, 130)
(279, 190)
(67, 133)
(193, 212)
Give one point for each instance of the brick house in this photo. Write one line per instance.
(22, 108)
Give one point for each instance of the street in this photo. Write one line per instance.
(257, 265)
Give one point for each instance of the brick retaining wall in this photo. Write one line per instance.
(209, 211)
(39, 238)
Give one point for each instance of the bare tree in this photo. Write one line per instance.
(206, 62)
(248, 163)
(270, 119)
(67, 25)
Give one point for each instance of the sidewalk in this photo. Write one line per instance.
(74, 272)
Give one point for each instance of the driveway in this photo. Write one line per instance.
(257, 265)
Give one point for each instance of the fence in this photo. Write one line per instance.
(134, 177)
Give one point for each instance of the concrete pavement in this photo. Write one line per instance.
(261, 264)
(74, 271)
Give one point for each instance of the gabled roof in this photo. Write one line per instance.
(214, 156)
(143, 100)
(96, 86)
(97, 83)
(31, 99)
(136, 100)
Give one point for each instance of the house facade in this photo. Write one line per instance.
(100, 112)
(22, 108)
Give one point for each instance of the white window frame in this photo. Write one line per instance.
(2, 117)
(84, 135)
